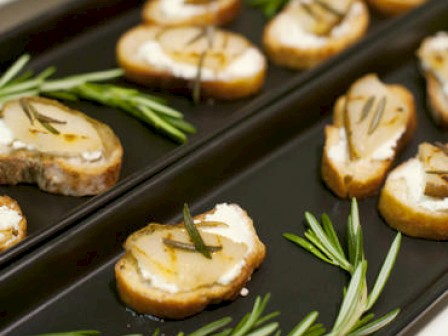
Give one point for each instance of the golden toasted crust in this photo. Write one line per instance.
(362, 181)
(139, 71)
(406, 216)
(437, 101)
(61, 175)
(226, 11)
(308, 56)
(20, 234)
(395, 7)
(140, 296)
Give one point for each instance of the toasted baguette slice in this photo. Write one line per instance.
(372, 122)
(190, 12)
(227, 65)
(306, 33)
(395, 7)
(155, 278)
(433, 55)
(12, 223)
(62, 150)
(404, 201)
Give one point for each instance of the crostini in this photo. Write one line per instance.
(433, 55)
(61, 150)
(12, 223)
(414, 199)
(307, 32)
(395, 7)
(190, 12)
(372, 122)
(224, 65)
(163, 274)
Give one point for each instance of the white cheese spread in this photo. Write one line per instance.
(339, 152)
(9, 219)
(178, 9)
(413, 174)
(289, 32)
(248, 64)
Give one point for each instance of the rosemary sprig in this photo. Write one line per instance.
(268, 7)
(32, 114)
(194, 234)
(366, 109)
(207, 32)
(376, 119)
(352, 318)
(147, 108)
(187, 246)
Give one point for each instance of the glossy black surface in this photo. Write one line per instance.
(269, 164)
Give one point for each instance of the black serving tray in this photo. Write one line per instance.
(80, 36)
(269, 164)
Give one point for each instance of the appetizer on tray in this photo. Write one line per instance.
(414, 199)
(371, 123)
(433, 54)
(395, 7)
(12, 223)
(217, 63)
(308, 32)
(190, 12)
(162, 272)
(61, 150)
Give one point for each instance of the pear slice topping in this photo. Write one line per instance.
(435, 162)
(319, 17)
(374, 116)
(189, 44)
(177, 264)
(49, 127)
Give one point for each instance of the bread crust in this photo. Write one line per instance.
(437, 100)
(408, 217)
(394, 7)
(22, 227)
(60, 175)
(362, 181)
(306, 57)
(226, 12)
(141, 297)
(139, 71)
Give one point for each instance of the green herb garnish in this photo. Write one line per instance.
(32, 114)
(376, 119)
(324, 244)
(187, 246)
(147, 108)
(367, 108)
(207, 32)
(268, 7)
(194, 234)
